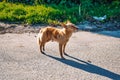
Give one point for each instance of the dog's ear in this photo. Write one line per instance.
(63, 25)
(68, 21)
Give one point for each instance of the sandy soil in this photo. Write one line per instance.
(91, 56)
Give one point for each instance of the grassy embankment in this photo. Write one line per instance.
(52, 14)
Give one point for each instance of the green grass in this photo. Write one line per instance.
(20, 13)
(52, 14)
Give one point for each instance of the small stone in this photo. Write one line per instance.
(89, 61)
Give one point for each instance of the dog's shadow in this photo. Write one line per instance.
(88, 67)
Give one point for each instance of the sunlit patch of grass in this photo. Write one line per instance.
(53, 14)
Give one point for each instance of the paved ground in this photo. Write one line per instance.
(91, 56)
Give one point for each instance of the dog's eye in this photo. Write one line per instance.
(72, 26)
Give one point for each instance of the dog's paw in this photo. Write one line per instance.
(66, 54)
(63, 58)
(42, 52)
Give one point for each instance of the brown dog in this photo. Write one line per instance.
(60, 35)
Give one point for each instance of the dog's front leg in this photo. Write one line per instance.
(64, 48)
(60, 50)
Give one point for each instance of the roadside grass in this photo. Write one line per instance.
(53, 14)
(20, 13)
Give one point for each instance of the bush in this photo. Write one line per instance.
(49, 14)
(53, 14)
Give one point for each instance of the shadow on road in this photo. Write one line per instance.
(110, 33)
(80, 64)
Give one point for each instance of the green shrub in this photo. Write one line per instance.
(53, 14)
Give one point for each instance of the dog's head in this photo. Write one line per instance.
(70, 26)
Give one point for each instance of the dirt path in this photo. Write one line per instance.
(91, 56)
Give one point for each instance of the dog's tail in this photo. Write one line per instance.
(38, 39)
(39, 36)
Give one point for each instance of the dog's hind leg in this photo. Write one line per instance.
(41, 48)
(44, 47)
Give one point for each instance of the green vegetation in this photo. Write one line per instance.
(39, 11)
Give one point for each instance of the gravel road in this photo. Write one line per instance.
(91, 56)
